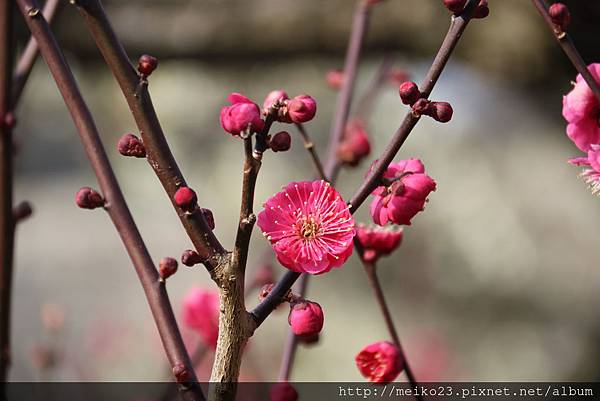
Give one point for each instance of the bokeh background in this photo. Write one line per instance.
(496, 280)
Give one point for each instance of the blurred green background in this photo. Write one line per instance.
(496, 280)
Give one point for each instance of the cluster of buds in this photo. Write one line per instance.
(412, 96)
(297, 110)
(457, 6)
(131, 146)
(167, 267)
(355, 145)
(146, 65)
(560, 16)
(88, 198)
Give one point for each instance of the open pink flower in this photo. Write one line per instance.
(201, 313)
(241, 115)
(581, 109)
(378, 241)
(404, 196)
(309, 227)
(380, 362)
(590, 175)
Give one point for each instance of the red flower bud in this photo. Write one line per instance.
(455, 6)
(301, 109)
(441, 111)
(167, 267)
(180, 373)
(191, 258)
(335, 79)
(147, 64)
(422, 106)
(280, 142)
(208, 216)
(306, 318)
(356, 145)
(22, 211)
(283, 391)
(186, 199)
(560, 15)
(88, 198)
(131, 145)
(409, 93)
(481, 10)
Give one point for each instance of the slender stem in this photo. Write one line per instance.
(371, 271)
(158, 152)
(344, 100)
(364, 106)
(116, 207)
(310, 147)
(30, 54)
(6, 188)
(457, 27)
(291, 342)
(566, 43)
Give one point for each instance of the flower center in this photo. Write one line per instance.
(309, 228)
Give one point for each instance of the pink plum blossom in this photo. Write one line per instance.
(404, 196)
(201, 313)
(581, 109)
(306, 318)
(309, 227)
(241, 115)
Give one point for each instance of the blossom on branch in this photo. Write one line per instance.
(378, 241)
(309, 227)
(581, 109)
(243, 114)
(404, 193)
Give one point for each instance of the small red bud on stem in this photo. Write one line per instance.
(560, 16)
(147, 64)
(409, 93)
(280, 142)
(22, 211)
(208, 216)
(186, 199)
(131, 145)
(167, 267)
(191, 258)
(88, 198)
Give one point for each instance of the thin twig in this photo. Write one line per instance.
(566, 43)
(30, 54)
(116, 207)
(310, 147)
(457, 26)
(371, 271)
(158, 152)
(344, 100)
(6, 187)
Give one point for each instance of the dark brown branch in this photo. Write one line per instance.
(371, 271)
(6, 187)
(30, 54)
(567, 45)
(158, 152)
(457, 26)
(116, 207)
(344, 100)
(310, 147)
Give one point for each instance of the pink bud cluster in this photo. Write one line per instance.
(404, 193)
(411, 95)
(298, 110)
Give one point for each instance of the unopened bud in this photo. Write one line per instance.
(180, 373)
(421, 106)
(208, 216)
(167, 267)
(147, 64)
(22, 211)
(441, 111)
(186, 199)
(560, 15)
(190, 258)
(481, 10)
(280, 142)
(455, 6)
(88, 198)
(409, 93)
(131, 145)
